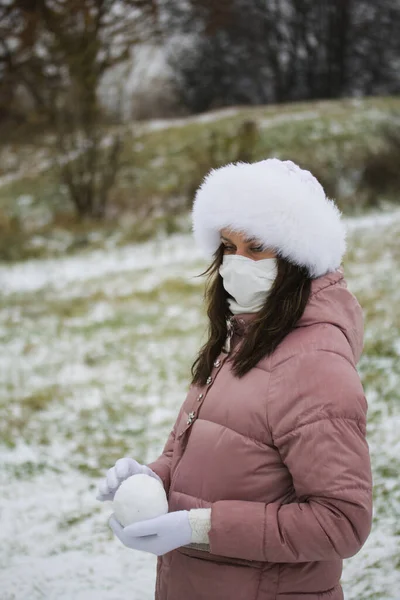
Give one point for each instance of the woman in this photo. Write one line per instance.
(267, 468)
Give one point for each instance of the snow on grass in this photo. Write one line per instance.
(60, 273)
(373, 219)
(209, 117)
(287, 118)
(96, 352)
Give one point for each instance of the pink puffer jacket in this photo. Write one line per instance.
(281, 458)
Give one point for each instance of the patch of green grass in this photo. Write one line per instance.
(73, 519)
(384, 348)
(18, 415)
(38, 401)
(28, 470)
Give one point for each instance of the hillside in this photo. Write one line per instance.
(164, 162)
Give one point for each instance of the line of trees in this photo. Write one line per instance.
(221, 52)
(260, 51)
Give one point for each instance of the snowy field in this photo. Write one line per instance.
(95, 358)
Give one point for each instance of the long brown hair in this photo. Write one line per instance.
(283, 307)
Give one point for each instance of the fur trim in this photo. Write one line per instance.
(283, 206)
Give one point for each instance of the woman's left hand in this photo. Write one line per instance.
(157, 536)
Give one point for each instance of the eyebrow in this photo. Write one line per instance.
(247, 241)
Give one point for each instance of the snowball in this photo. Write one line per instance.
(138, 498)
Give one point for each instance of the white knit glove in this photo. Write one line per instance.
(123, 468)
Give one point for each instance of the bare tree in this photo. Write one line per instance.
(59, 50)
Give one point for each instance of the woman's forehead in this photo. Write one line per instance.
(231, 234)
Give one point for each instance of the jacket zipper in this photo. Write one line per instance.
(228, 340)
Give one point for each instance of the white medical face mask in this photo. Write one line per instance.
(248, 281)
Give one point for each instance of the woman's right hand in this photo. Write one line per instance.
(123, 468)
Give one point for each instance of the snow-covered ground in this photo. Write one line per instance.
(95, 358)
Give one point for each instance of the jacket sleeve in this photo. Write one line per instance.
(317, 416)
(162, 465)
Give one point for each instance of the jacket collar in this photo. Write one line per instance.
(241, 322)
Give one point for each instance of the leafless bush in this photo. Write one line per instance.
(381, 171)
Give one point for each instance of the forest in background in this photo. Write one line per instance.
(215, 54)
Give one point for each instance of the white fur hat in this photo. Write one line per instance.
(277, 202)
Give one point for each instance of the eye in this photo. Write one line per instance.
(228, 248)
(257, 248)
